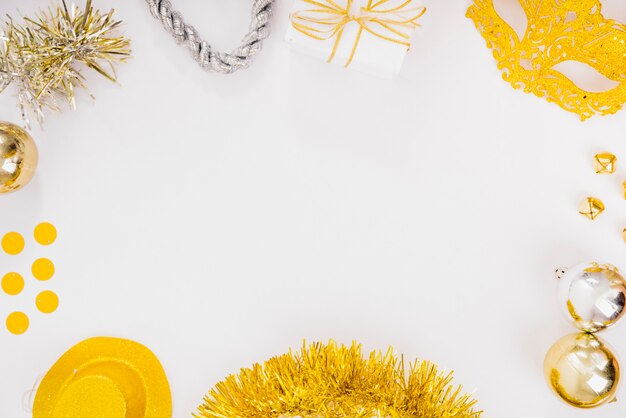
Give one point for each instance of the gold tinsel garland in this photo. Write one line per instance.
(41, 55)
(338, 381)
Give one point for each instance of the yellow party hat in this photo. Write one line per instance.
(105, 377)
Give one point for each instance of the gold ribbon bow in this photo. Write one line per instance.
(328, 20)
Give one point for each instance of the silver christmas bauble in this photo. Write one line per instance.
(592, 295)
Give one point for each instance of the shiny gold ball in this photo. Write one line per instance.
(582, 370)
(18, 157)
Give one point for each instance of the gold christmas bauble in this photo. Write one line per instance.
(582, 370)
(18, 157)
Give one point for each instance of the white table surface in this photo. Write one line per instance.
(222, 220)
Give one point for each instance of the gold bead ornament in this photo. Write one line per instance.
(582, 370)
(18, 157)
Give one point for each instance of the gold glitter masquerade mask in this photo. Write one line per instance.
(558, 31)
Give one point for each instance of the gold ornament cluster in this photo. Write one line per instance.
(558, 31)
(337, 381)
(43, 56)
(580, 368)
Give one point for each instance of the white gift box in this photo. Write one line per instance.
(371, 37)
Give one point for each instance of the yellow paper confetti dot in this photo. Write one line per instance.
(47, 301)
(45, 233)
(43, 269)
(12, 284)
(12, 243)
(17, 323)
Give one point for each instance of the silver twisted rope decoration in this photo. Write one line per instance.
(201, 51)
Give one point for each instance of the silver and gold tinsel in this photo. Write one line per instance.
(43, 56)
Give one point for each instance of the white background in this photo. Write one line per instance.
(221, 220)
